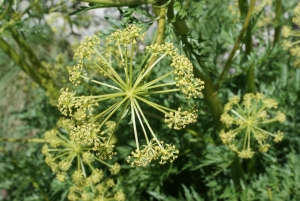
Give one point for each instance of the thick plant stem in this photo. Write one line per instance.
(243, 5)
(209, 92)
(116, 3)
(251, 70)
(20, 62)
(160, 34)
(278, 10)
(211, 98)
(161, 25)
(29, 53)
(10, 2)
(236, 45)
(251, 80)
(35, 140)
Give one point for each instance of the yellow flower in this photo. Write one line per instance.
(245, 123)
(287, 32)
(127, 89)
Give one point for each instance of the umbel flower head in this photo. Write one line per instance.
(287, 32)
(246, 121)
(127, 88)
(94, 188)
(82, 145)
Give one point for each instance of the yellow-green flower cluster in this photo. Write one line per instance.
(85, 145)
(179, 119)
(85, 48)
(153, 151)
(124, 90)
(246, 121)
(183, 71)
(94, 187)
(128, 36)
(68, 103)
(287, 32)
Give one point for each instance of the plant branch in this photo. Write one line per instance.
(278, 10)
(243, 5)
(209, 91)
(161, 25)
(35, 140)
(116, 3)
(236, 45)
(9, 51)
(159, 37)
(29, 54)
(10, 2)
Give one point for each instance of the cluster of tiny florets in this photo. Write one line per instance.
(166, 48)
(88, 136)
(127, 88)
(153, 151)
(69, 105)
(185, 80)
(81, 142)
(129, 35)
(76, 74)
(246, 121)
(180, 119)
(85, 134)
(85, 48)
(94, 187)
(287, 32)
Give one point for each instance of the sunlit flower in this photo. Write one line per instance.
(125, 90)
(246, 123)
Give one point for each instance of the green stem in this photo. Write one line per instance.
(107, 96)
(117, 3)
(146, 122)
(10, 2)
(154, 105)
(103, 162)
(211, 98)
(29, 54)
(113, 111)
(156, 86)
(148, 84)
(106, 111)
(251, 80)
(147, 72)
(9, 51)
(141, 123)
(236, 45)
(243, 5)
(121, 115)
(158, 92)
(134, 124)
(238, 115)
(131, 62)
(161, 25)
(36, 140)
(209, 92)
(278, 10)
(102, 83)
(112, 70)
(159, 37)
